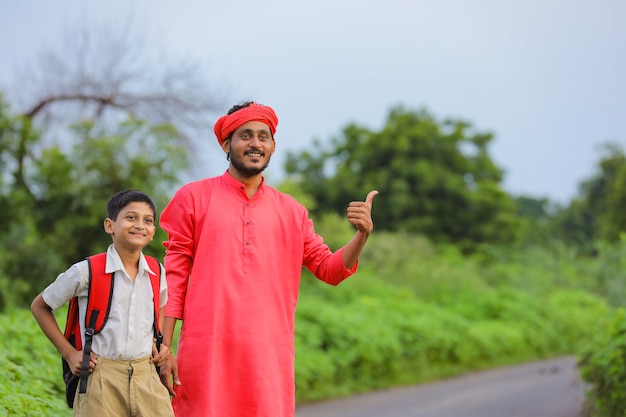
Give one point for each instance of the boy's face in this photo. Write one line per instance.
(134, 227)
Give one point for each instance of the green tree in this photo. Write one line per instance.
(435, 178)
(607, 193)
(103, 112)
(54, 204)
(74, 186)
(540, 209)
(537, 221)
(597, 212)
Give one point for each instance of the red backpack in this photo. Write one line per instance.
(98, 307)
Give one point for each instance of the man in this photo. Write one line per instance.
(234, 257)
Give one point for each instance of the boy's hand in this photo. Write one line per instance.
(169, 371)
(75, 361)
(160, 357)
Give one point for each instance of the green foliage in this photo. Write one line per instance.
(435, 178)
(413, 313)
(75, 186)
(609, 271)
(53, 197)
(597, 212)
(417, 312)
(603, 366)
(27, 264)
(33, 384)
(539, 209)
(368, 336)
(295, 190)
(335, 229)
(536, 269)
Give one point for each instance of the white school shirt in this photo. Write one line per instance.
(128, 332)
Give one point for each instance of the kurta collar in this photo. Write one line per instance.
(233, 182)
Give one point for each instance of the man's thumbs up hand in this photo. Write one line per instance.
(360, 213)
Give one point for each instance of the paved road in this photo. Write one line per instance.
(550, 388)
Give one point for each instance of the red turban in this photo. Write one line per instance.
(226, 125)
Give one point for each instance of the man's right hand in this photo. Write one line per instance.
(168, 372)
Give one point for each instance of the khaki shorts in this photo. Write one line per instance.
(124, 388)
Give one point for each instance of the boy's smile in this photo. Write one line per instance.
(134, 227)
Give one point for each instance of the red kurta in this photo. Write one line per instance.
(233, 270)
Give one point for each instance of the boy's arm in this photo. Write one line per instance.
(46, 320)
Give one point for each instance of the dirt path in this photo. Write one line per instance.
(550, 388)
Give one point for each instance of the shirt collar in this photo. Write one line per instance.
(114, 262)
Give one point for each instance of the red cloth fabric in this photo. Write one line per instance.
(226, 125)
(233, 269)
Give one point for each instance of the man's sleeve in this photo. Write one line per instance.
(178, 221)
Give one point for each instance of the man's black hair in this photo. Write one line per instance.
(239, 106)
(120, 200)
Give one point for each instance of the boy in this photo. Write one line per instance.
(122, 377)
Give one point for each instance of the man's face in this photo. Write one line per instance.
(250, 148)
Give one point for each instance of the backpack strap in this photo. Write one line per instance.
(98, 308)
(155, 281)
(100, 293)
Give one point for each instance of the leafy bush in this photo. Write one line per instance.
(603, 366)
(413, 313)
(33, 384)
(365, 335)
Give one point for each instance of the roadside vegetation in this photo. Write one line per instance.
(413, 313)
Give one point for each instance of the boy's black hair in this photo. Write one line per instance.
(120, 200)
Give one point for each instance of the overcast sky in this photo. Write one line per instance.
(547, 77)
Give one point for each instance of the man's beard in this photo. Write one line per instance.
(242, 169)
